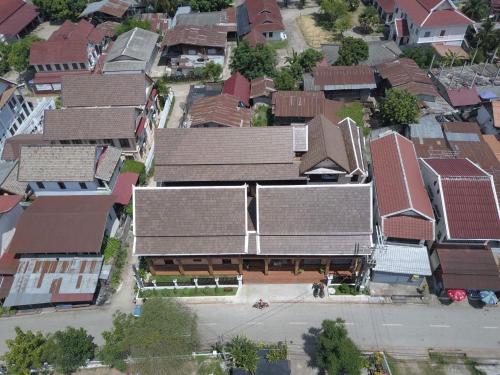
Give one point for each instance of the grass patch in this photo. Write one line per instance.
(111, 248)
(135, 167)
(278, 44)
(355, 112)
(209, 366)
(188, 292)
(6, 311)
(441, 359)
(346, 289)
(262, 116)
(313, 33)
(120, 259)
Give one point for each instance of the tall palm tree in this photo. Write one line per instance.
(487, 37)
(476, 9)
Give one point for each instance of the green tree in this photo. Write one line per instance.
(25, 352)
(115, 349)
(341, 25)
(332, 10)
(352, 5)
(19, 51)
(253, 62)
(69, 349)
(212, 71)
(262, 115)
(368, 19)
(60, 10)
(488, 38)
(309, 58)
(476, 9)
(422, 55)
(132, 23)
(243, 353)
(352, 51)
(399, 107)
(285, 80)
(164, 6)
(209, 5)
(335, 351)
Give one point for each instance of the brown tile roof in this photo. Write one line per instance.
(12, 147)
(222, 109)
(455, 168)
(224, 154)
(71, 224)
(16, 15)
(263, 86)
(254, 37)
(100, 90)
(89, 123)
(360, 76)
(463, 97)
(264, 15)
(287, 214)
(58, 52)
(72, 31)
(238, 86)
(200, 220)
(493, 142)
(7, 93)
(209, 36)
(103, 30)
(400, 189)
(306, 104)
(107, 162)
(468, 269)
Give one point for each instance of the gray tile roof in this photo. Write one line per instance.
(185, 220)
(57, 163)
(89, 123)
(133, 48)
(314, 219)
(224, 154)
(107, 163)
(102, 90)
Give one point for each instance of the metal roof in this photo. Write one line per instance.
(427, 127)
(407, 260)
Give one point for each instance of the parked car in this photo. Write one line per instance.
(137, 311)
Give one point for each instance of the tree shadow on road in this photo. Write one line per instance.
(310, 347)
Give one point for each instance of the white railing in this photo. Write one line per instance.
(166, 109)
(35, 118)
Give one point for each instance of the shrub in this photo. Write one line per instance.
(136, 167)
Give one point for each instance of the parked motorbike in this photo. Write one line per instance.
(260, 304)
(315, 288)
(321, 290)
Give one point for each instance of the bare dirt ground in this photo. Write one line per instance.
(314, 35)
(45, 30)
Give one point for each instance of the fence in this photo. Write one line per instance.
(195, 282)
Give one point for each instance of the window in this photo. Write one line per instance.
(66, 66)
(427, 34)
(437, 192)
(25, 107)
(12, 131)
(92, 142)
(83, 66)
(61, 185)
(124, 142)
(108, 141)
(40, 185)
(168, 261)
(58, 66)
(22, 115)
(100, 183)
(65, 142)
(396, 11)
(270, 34)
(442, 33)
(40, 68)
(74, 65)
(83, 185)
(435, 182)
(197, 260)
(77, 142)
(11, 105)
(192, 52)
(49, 68)
(411, 26)
(226, 261)
(355, 178)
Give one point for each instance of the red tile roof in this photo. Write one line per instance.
(399, 186)
(58, 52)
(103, 30)
(401, 28)
(123, 187)
(72, 31)
(455, 168)
(446, 17)
(254, 37)
(264, 15)
(56, 77)
(408, 227)
(8, 202)
(8, 263)
(263, 86)
(15, 16)
(5, 284)
(463, 97)
(238, 86)
(343, 75)
(386, 5)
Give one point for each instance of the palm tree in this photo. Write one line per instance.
(488, 39)
(476, 9)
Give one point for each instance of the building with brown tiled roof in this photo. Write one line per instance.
(403, 207)
(106, 10)
(17, 19)
(238, 86)
(223, 110)
(464, 199)
(261, 16)
(261, 90)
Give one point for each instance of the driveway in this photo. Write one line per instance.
(181, 91)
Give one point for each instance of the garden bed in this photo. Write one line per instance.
(188, 292)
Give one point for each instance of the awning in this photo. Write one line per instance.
(123, 187)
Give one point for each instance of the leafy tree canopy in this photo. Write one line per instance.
(212, 71)
(60, 10)
(309, 58)
(352, 51)
(335, 351)
(368, 19)
(285, 80)
(132, 23)
(25, 352)
(332, 10)
(69, 349)
(244, 353)
(253, 62)
(164, 6)
(16, 55)
(209, 5)
(399, 107)
(476, 9)
(422, 55)
(352, 5)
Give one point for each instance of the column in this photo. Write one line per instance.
(326, 264)
(266, 266)
(240, 266)
(181, 269)
(210, 267)
(297, 266)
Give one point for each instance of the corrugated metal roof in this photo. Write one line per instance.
(406, 260)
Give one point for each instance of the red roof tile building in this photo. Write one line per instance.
(404, 209)
(238, 86)
(260, 16)
(17, 18)
(465, 201)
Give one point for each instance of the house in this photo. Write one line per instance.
(132, 52)
(238, 86)
(69, 170)
(464, 99)
(488, 117)
(427, 21)
(55, 255)
(223, 110)
(74, 48)
(379, 52)
(466, 268)
(18, 18)
(108, 10)
(405, 74)
(203, 90)
(225, 18)
(261, 90)
(282, 230)
(385, 9)
(260, 16)
(188, 47)
(10, 212)
(402, 208)
(18, 115)
(428, 138)
(302, 106)
(226, 155)
(92, 113)
(335, 153)
(254, 37)
(464, 199)
(347, 82)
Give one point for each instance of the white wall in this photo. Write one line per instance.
(454, 35)
(72, 188)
